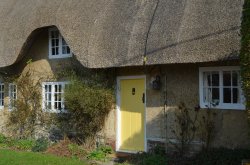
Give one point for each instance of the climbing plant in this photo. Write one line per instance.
(26, 114)
(245, 55)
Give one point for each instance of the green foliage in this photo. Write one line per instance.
(186, 127)
(220, 156)
(245, 55)
(19, 144)
(26, 113)
(87, 107)
(156, 156)
(3, 138)
(40, 145)
(23, 144)
(97, 155)
(191, 124)
(100, 153)
(76, 150)
(31, 158)
(207, 128)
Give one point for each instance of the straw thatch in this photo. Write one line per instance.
(113, 33)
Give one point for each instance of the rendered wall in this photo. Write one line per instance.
(182, 85)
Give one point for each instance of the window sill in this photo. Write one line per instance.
(55, 111)
(60, 56)
(239, 107)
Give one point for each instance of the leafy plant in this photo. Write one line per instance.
(26, 113)
(40, 145)
(245, 55)
(186, 128)
(23, 144)
(87, 108)
(207, 128)
(76, 150)
(220, 156)
(100, 153)
(149, 159)
(2, 138)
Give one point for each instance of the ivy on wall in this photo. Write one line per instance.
(245, 54)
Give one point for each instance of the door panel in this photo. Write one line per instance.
(132, 114)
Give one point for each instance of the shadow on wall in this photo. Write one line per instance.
(230, 131)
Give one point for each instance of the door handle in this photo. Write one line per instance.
(143, 97)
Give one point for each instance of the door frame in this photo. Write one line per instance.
(118, 112)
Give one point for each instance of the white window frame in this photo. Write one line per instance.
(60, 55)
(2, 93)
(53, 110)
(221, 105)
(12, 94)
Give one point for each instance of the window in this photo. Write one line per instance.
(58, 48)
(220, 87)
(12, 95)
(53, 99)
(1, 95)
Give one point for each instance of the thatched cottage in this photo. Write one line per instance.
(164, 52)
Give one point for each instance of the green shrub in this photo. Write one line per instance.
(149, 159)
(221, 156)
(245, 56)
(2, 138)
(22, 144)
(100, 153)
(106, 149)
(76, 150)
(41, 145)
(154, 159)
(97, 155)
(88, 107)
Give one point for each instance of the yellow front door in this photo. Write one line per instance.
(132, 114)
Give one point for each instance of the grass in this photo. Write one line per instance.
(31, 158)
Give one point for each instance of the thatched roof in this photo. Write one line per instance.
(112, 33)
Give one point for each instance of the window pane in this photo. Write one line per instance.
(53, 51)
(46, 88)
(59, 97)
(68, 50)
(206, 94)
(59, 105)
(64, 50)
(55, 105)
(49, 105)
(49, 98)
(215, 95)
(2, 94)
(215, 79)
(235, 78)
(236, 95)
(57, 51)
(227, 78)
(206, 79)
(227, 95)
